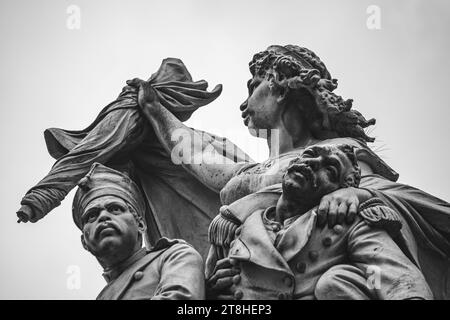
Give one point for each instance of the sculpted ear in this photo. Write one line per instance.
(282, 94)
(141, 225)
(83, 242)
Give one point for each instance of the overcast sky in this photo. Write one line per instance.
(54, 76)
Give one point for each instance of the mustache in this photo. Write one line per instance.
(103, 226)
(306, 171)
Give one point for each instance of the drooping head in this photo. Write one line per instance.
(109, 208)
(290, 84)
(319, 170)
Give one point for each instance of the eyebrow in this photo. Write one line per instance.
(333, 161)
(330, 160)
(107, 205)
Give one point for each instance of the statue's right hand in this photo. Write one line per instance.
(219, 285)
(25, 214)
(146, 93)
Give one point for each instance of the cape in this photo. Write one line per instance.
(178, 205)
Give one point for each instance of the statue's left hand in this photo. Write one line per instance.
(25, 214)
(340, 205)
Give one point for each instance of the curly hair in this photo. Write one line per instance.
(303, 77)
(353, 179)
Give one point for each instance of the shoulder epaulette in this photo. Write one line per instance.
(377, 214)
(222, 228)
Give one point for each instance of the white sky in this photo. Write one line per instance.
(55, 77)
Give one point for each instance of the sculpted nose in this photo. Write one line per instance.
(103, 216)
(314, 163)
(243, 106)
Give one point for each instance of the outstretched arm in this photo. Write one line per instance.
(186, 146)
(118, 131)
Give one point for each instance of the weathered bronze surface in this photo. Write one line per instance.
(291, 94)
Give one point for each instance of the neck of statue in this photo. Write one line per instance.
(287, 208)
(116, 258)
(280, 141)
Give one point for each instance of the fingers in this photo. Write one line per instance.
(149, 92)
(322, 211)
(223, 263)
(223, 274)
(332, 213)
(134, 82)
(341, 213)
(223, 284)
(352, 211)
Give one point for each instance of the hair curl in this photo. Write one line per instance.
(305, 80)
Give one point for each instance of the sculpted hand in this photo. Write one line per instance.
(25, 214)
(219, 285)
(340, 205)
(146, 93)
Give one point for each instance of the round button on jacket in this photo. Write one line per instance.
(138, 275)
(301, 267)
(287, 281)
(313, 255)
(327, 241)
(238, 295)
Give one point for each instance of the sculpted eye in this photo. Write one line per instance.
(90, 216)
(333, 172)
(308, 153)
(115, 208)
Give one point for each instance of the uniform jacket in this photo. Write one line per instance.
(291, 267)
(171, 270)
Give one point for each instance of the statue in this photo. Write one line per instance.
(292, 93)
(281, 253)
(109, 209)
(177, 204)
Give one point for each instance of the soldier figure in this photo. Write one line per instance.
(281, 253)
(108, 207)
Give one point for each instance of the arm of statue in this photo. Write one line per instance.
(390, 273)
(186, 146)
(182, 275)
(341, 206)
(119, 131)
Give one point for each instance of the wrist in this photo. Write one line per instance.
(362, 194)
(151, 109)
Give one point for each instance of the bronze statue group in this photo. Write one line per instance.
(323, 218)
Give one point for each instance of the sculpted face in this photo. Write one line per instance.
(110, 228)
(262, 109)
(320, 170)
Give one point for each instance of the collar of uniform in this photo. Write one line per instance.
(296, 235)
(257, 240)
(268, 218)
(112, 273)
(273, 225)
